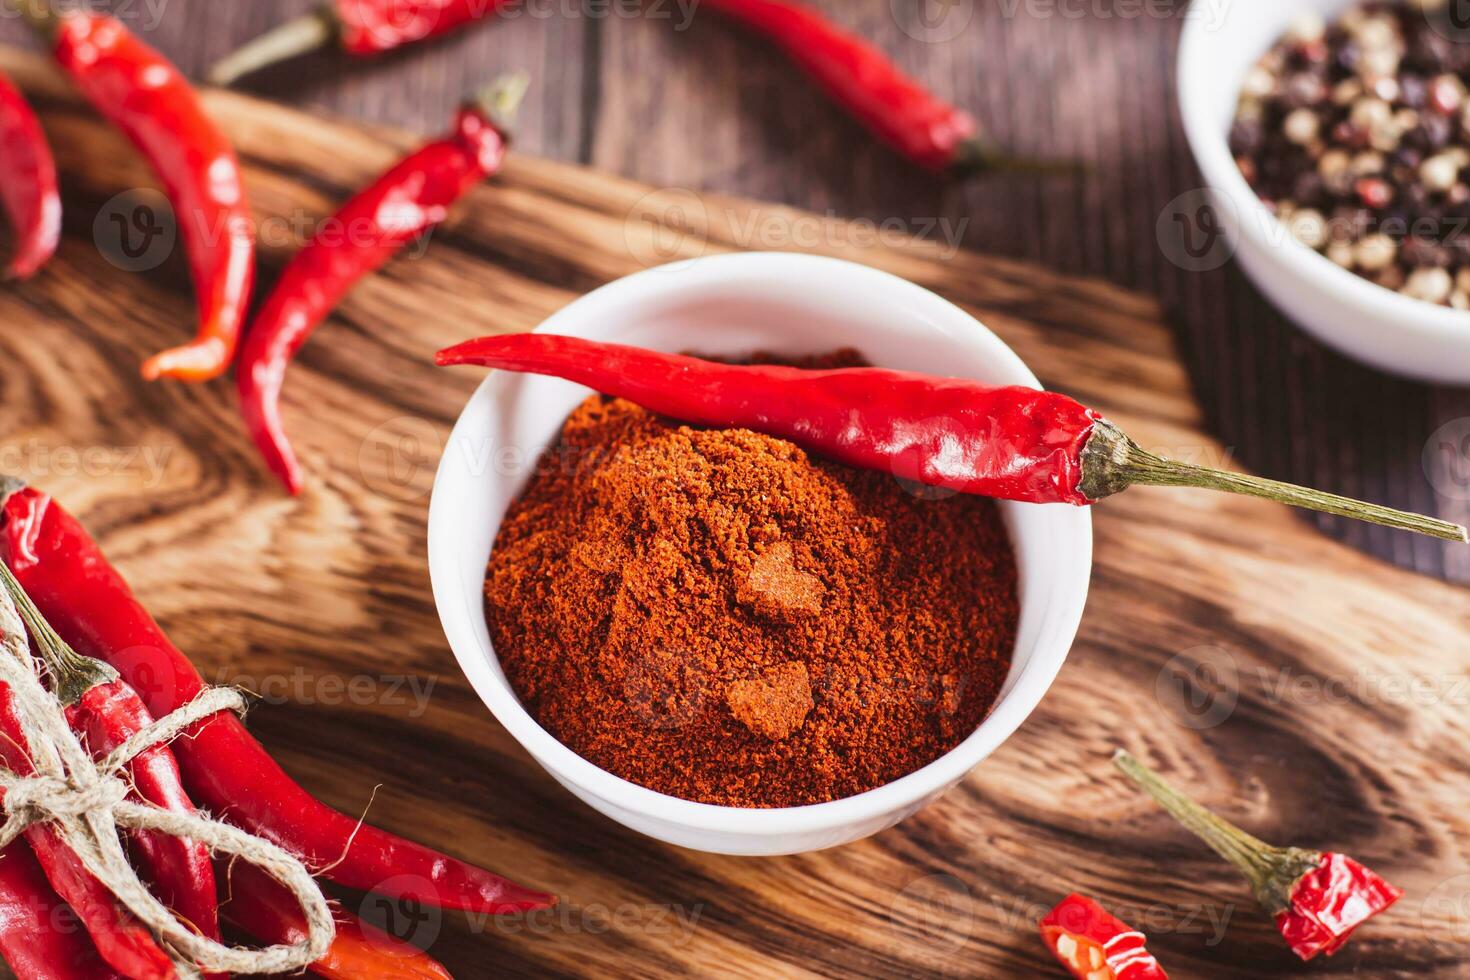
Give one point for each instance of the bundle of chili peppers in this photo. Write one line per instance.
(1012, 443)
(858, 77)
(115, 669)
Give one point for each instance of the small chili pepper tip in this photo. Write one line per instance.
(1317, 899)
(290, 40)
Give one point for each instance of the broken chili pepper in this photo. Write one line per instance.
(1316, 898)
(1095, 945)
(370, 229)
(863, 80)
(1014, 443)
(225, 769)
(144, 95)
(254, 902)
(359, 27)
(28, 184)
(106, 712)
(38, 939)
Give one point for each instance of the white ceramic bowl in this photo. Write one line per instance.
(730, 305)
(1220, 42)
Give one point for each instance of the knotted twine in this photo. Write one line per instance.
(87, 802)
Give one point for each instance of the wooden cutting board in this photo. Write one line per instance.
(1315, 695)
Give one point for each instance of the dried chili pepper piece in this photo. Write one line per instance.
(258, 905)
(1316, 898)
(35, 938)
(1014, 443)
(402, 204)
(358, 27)
(28, 185)
(225, 769)
(863, 80)
(1096, 945)
(145, 96)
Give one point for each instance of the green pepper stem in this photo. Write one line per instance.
(1112, 462)
(501, 99)
(290, 40)
(72, 675)
(975, 157)
(1272, 871)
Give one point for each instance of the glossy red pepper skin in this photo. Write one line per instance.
(146, 97)
(121, 940)
(1012, 443)
(179, 870)
(1095, 945)
(225, 770)
(370, 229)
(369, 27)
(257, 905)
(28, 185)
(39, 938)
(860, 78)
(1329, 902)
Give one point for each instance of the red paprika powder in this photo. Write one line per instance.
(717, 616)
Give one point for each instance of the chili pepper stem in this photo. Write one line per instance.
(1112, 462)
(290, 40)
(40, 14)
(1271, 871)
(72, 675)
(501, 99)
(977, 156)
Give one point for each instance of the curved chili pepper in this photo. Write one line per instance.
(1013, 443)
(121, 940)
(146, 97)
(254, 903)
(36, 940)
(359, 27)
(1095, 945)
(863, 80)
(1316, 898)
(27, 184)
(370, 229)
(225, 769)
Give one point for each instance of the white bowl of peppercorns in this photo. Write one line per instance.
(1334, 139)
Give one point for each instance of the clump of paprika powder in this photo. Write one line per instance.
(717, 616)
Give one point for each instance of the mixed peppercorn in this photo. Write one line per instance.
(1356, 134)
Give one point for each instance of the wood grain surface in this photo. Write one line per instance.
(1313, 693)
(680, 100)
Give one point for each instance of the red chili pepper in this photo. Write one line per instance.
(374, 226)
(1316, 898)
(256, 904)
(121, 940)
(1014, 443)
(225, 769)
(39, 937)
(27, 184)
(1095, 945)
(864, 81)
(146, 97)
(359, 27)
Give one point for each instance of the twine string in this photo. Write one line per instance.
(87, 803)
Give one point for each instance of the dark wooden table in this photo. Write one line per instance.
(667, 96)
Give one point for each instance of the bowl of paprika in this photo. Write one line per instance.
(730, 306)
